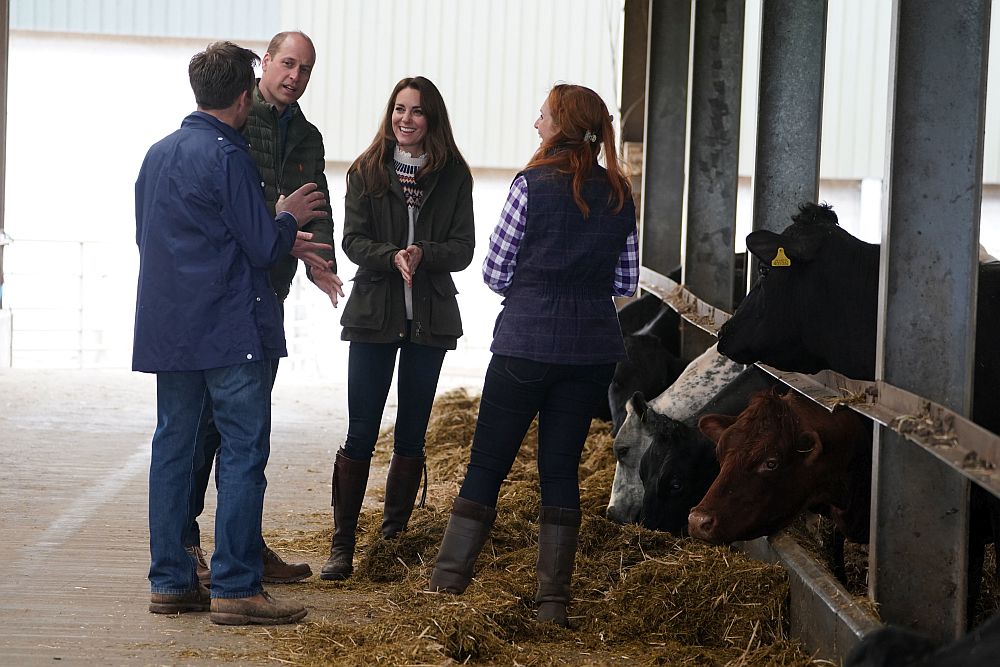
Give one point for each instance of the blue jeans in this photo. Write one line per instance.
(240, 400)
(563, 396)
(209, 439)
(369, 375)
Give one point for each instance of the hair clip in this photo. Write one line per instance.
(589, 136)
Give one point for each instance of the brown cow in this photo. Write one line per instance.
(782, 455)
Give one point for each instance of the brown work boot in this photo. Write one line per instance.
(201, 565)
(260, 609)
(180, 603)
(277, 571)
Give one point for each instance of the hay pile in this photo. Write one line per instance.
(640, 597)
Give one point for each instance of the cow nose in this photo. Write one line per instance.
(701, 525)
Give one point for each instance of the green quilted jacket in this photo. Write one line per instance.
(304, 163)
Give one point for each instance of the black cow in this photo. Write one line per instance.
(820, 311)
(652, 342)
(680, 464)
(893, 646)
(649, 369)
(814, 307)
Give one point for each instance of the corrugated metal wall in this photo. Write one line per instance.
(494, 62)
(212, 19)
(855, 93)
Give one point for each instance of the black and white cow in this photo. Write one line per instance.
(702, 379)
(680, 464)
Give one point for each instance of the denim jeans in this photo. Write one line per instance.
(209, 439)
(240, 399)
(369, 375)
(563, 396)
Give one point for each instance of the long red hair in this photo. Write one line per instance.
(583, 129)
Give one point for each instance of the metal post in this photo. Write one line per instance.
(4, 51)
(635, 43)
(927, 305)
(715, 141)
(667, 62)
(789, 110)
(713, 175)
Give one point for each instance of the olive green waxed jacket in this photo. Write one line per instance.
(375, 229)
(304, 162)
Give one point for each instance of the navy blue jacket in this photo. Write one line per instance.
(206, 241)
(559, 308)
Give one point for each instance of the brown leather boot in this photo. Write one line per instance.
(201, 565)
(180, 603)
(350, 477)
(558, 528)
(260, 609)
(277, 571)
(401, 486)
(468, 528)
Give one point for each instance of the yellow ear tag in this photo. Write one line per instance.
(780, 259)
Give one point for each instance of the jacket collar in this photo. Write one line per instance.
(196, 118)
(259, 99)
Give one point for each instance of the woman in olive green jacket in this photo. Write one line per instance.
(408, 225)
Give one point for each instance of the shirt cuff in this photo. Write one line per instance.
(289, 217)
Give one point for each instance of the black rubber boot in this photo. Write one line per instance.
(350, 477)
(468, 528)
(401, 486)
(558, 528)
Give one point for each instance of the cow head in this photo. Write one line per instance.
(676, 471)
(772, 466)
(630, 444)
(769, 325)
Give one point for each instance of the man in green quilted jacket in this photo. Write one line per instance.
(288, 151)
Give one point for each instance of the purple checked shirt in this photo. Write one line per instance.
(498, 267)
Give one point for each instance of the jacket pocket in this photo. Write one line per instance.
(368, 305)
(446, 320)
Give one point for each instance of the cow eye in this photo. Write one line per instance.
(770, 464)
(675, 486)
(762, 269)
(622, 453)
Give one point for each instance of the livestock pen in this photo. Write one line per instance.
(927, 282)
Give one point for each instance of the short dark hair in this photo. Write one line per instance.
(221, 73)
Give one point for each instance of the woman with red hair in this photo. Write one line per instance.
(565, 245)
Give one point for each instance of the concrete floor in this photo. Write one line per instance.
(74, 456)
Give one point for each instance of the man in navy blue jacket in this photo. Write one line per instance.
(209, 325)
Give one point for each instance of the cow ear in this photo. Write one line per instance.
(763, 244)
(712, 426)
(638, 405)
(809, 444)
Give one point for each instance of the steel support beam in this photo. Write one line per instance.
(4, 52)
(789, 109)
(667, 60)
(635, 43)
(713, 176)
(713, 172)
(927, 304)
